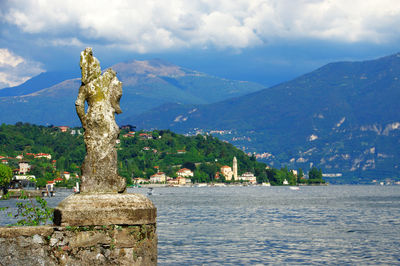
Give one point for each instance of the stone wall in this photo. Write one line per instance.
(80, 245)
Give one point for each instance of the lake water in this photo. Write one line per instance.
(275, 225)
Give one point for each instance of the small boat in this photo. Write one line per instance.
(76, 188)
(294, 188)
(266, 184)
(150, 191)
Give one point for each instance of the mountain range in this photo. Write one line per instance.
(49, 98)
(343, 117)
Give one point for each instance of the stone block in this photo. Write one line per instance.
(16, 231)
(105, 209)
(90, 238)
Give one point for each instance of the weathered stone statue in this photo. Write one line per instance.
(102, 94)
(98, 226)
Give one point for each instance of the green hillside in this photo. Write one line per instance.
(140, 154)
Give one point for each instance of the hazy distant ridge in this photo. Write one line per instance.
(49, 98)
(344, 117)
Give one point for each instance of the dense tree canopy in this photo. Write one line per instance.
(315, 175)
(140, 154)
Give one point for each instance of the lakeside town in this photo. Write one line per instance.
(22, 176)
(165, 166)
(145, 158)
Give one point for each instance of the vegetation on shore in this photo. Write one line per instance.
(140, 154)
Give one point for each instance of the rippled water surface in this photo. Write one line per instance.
(276, 225)
(338, 225)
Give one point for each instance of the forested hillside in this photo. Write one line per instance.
(140, 154)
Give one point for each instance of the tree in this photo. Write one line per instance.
(189, 165)
(315, 175)
(5, 175)
(209, 169)
(41, 182)
(300, 173)
(200, 177)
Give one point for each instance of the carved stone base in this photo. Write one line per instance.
(105, 209)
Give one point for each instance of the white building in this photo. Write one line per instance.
(67, 175)
(182, 180)
(139, 180)
(23, 177)
(184, 172)
(227, 172)
(249, 177)
(24, 167)
(159, 177)
(43, 155)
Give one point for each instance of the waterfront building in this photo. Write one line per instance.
(159, 177)
(181, 180)
(23, 181)
(139, 180)
(172, 182)
(67, 175)
(226, 171)
(184, 172)
(230, 173)
(248, 177)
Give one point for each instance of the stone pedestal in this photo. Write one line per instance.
(105, 209)
(107, 229)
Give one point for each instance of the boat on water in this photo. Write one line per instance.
(266, 184)
(294, 188)
(150, 191)
(76, 188)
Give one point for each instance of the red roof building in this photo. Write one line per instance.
(58, 180)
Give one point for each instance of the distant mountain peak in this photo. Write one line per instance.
(154, 67)
(48, 98)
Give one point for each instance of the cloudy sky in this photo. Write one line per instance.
(266, 41)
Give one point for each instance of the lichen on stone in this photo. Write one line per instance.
(102, 92)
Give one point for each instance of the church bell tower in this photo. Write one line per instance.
(235, 169)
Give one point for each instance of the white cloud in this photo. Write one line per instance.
(15, 70)
(153, 25)
(66, 42)
(7, 59)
